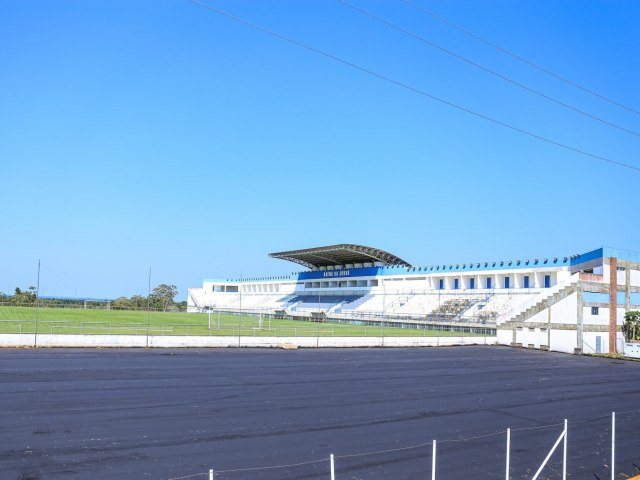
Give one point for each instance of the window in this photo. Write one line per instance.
(472, 283)
(526, 281)
(441, 284)
(506, 282)
(488, 282)
(595, 310)
(456, 283)
(547, 281)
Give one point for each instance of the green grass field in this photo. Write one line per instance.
(119, 322)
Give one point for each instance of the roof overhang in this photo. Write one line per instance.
(341, 254)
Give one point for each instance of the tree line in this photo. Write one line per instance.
(162, 298)
(20, 296)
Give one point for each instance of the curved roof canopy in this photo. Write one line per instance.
(339, 255)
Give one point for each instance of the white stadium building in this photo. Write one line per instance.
(570, 304)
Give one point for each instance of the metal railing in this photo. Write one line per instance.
(498, 461)
(248, 329)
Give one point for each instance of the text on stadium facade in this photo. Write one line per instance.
(336, 273)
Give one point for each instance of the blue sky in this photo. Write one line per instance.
(158, 133)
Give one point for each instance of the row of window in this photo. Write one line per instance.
(489, 282)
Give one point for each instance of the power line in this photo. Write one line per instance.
(518, 57)
(413, 89)
(486, 69)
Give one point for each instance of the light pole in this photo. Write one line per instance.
(35, 338)
(384, 307)
(148, 304)
(240, 316)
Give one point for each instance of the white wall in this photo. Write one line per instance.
(563, 340)
(566, 310)
(562, 312)
(23, 340)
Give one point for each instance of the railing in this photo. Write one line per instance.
(373, 315)
(447, 458)
(252, 329)
(80, 306)
(591, 277)
(548, 293)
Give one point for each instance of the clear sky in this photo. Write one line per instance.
(159, 133)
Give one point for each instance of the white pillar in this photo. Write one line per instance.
(564, 455)
(613, 445)
(506, 475)
(433, 462)
(333, 472)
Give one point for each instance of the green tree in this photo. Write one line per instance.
(138, 302)
(631, 327)
(21, 296)
(163, 295)
(182, 306)
(121, 303)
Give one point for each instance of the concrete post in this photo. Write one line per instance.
(580, 325)
(613, 303)
(627, 288)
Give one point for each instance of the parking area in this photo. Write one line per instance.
(163, 414)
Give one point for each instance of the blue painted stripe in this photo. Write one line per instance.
(604, 298)
(594, 297)
(621, 298)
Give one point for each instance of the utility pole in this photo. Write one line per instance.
(148, 305)
(35, 338)
(240, 316)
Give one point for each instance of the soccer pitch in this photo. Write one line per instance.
(125, 322)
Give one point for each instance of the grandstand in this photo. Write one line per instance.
(353, 282)
(560, 303)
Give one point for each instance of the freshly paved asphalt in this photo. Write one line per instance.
(162, 414)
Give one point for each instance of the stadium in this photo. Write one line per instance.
(573, 304)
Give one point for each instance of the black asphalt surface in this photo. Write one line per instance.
(162, 414)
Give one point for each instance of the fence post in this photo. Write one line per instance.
(613, 445)
(333, 471)
(211, 474)
(564, 455)
(433, 462)
(508, 453)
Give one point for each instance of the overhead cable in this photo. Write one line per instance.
(413, 89)
(518, 57)
(486, 69)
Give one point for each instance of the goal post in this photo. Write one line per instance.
(91, 304)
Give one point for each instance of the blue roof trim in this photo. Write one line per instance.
(605, 252)
(551, 262)
(401, 270)
(586, 257)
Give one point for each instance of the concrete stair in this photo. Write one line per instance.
(539, 306)
(547, 298)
